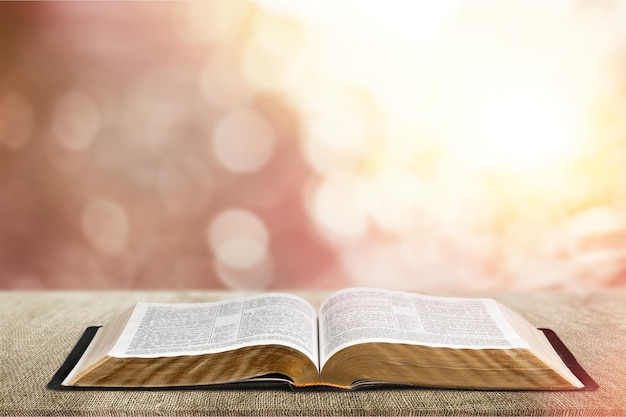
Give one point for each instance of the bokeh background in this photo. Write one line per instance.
(313, 145)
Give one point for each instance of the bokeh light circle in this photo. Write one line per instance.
(243, 141)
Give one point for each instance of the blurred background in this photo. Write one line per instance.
(313, 145)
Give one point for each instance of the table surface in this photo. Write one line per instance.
(38, 330)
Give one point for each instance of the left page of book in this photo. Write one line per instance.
(162, 330)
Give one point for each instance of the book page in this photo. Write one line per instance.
(362, 315)
(156, 329)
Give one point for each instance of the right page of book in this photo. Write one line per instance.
(361, 315)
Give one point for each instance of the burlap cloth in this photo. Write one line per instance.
(38, 330)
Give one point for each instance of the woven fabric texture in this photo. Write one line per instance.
(38, 330)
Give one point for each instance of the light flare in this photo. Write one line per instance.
(238, 238)
(337, 208)
(243, 141)
(76, 120)
(517, 127)
(106, 225)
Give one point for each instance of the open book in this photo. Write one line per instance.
(359, 337)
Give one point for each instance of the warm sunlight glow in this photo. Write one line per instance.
(518, 128)
(416, 144)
